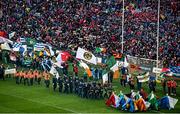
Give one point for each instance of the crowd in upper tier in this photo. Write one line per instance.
(98, 23)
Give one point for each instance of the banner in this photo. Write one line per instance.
(10, 71)
(5, 46)
(86, 55)
(157, 70)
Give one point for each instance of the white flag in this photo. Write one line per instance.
(86, 56)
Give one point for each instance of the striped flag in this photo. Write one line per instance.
(16, 46)
(143, 78)
(21, 40)
(86, 67)
(39, 47)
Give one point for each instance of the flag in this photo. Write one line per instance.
(30, 41)
(99, 60)
(153, 101)
(111, 62)
(175, 69)
(167, 102)
(21, 40)
(27, 62)
(3, 40)
(98, 50)
(105, 76)
(126, 64)
(10, 71)
(129, 105)
(86, 56)
(143, 78)
(46, 64)
(115, 69)
(51, 51)
(140, 103)
(86, 67)
(23, 49)
(46, 52)
(113, 101)
(63, 57)
(39, 47)
(16, 46)
(11, 35)
(5, 46)
(53, 71)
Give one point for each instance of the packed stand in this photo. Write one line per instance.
(90, 24)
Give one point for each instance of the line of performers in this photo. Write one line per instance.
(30, 77)
(66, 84)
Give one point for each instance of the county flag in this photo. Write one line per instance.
(167, 102)
(39, 47)
(11, 34)
(16, 46)
(111, 62)
(143, 78)
(30, 41)
(86, 56)
(115, 69)
(21, 40)
(3, 40)
(86, 67)
(113, 101)
(5, 46)
(98, 50)
(23, 49)
(153, 101)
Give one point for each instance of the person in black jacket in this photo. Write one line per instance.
(2, 71)
(54, 81)
(60, 83)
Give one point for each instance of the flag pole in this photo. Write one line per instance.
(157, 54)
(122, 44)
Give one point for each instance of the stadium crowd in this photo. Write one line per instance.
(93, 23)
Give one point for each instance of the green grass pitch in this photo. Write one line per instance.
(38, 99)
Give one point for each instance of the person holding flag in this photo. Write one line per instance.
(54, 81)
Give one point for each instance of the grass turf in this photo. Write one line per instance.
(38, 99)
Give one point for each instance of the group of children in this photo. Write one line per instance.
(28, 77)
